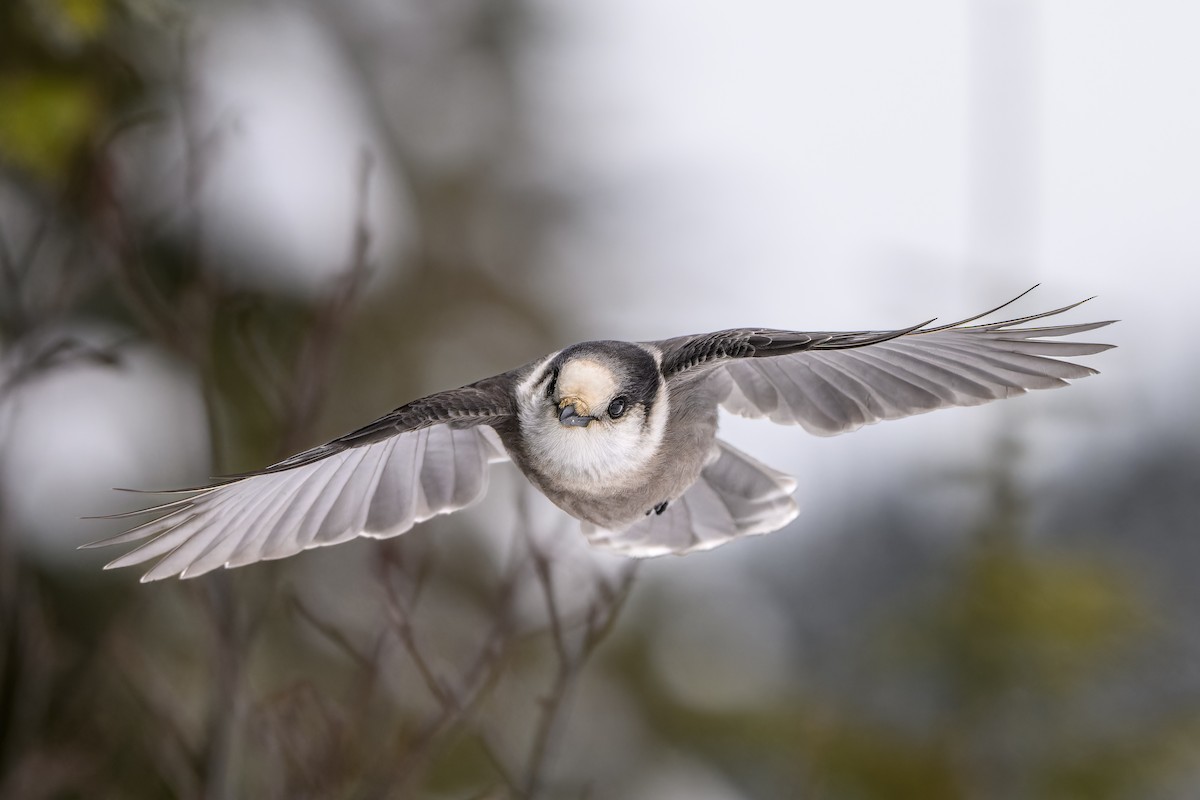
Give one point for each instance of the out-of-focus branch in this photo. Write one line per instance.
(230, 640)
(401, 621)
(164, 734)
(140, 296)
(366, 663)
(55, 353)
(573, 639)
(457, 697)
(311, 378)
(14, 317)
(23, 311)
(24, 647)
(600, 617)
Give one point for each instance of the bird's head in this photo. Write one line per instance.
(603, 383)
(591, 408)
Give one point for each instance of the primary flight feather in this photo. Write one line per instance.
(620, 435)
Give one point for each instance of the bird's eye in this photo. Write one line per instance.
(617, 407)
(553, 384)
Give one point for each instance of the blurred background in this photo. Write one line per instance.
(231, 230)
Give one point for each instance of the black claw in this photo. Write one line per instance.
(660, 508)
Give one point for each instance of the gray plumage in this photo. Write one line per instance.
(620, 435)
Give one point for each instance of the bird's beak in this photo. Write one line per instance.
(568, 415)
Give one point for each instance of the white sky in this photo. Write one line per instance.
(289, 116)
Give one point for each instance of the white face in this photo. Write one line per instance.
(583, 431)
(587, 385)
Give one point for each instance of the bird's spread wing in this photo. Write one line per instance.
(831, 383)
(426, 458)
(734, 496)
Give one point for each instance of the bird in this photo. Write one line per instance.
(620, 435)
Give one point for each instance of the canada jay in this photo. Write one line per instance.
(620, 435)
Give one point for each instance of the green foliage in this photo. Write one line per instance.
(60, 83)
(85, 19)
(44, 120)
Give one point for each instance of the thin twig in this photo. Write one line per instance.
(402, 624)
(599, 620)
(489, 751)
(617, 597)
(311, 379)
(541, 567)
(150, 688)
(229, 642)
(457, 698)
(330, 631)
(16, 268)
(262, 368)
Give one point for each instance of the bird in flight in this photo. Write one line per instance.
(620, 435)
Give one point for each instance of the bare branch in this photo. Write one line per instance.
(402, 624)
(173, 748)
(262, 368)
(311, 379)
(330, 632)
(599, 620)
(541, 566)
(15, 269)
